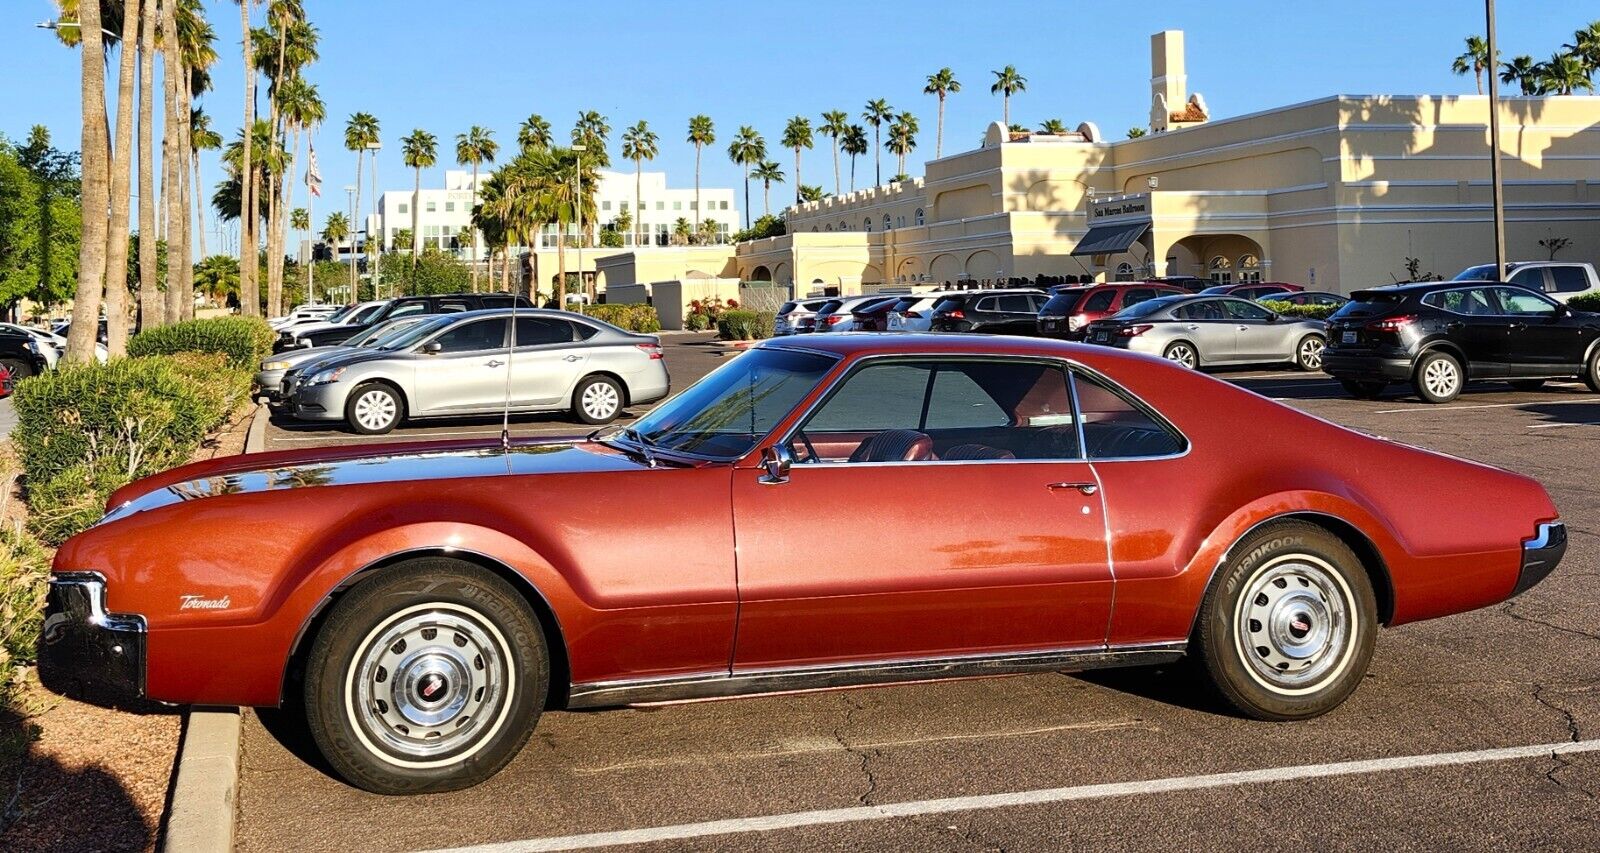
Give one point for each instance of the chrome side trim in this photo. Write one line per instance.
(93, 590)
(721, 683)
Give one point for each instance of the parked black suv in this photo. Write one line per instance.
(1439, 335)
(1002, 312)
(443, 303)
(20, 354)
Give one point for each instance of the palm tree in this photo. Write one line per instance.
(639, 143)
(121, 152)
(747, 149)
(420, 151)
(941, 83)
(249, 288)
(768, 172)
(300, 221)
(593, 132)
(877, 113)
(682, 231)
(152, 307)
(286, 46)
(834, 124)
(96, 191)
(854, 143)
(196, 46)
(201, 138)
(903, 138)
(335, 230)
(534, 133)
(701, 133)
(1052, 126)
(797, 135)
(302, 110)
(708, 231)
(1523, 71)
(1586, 47)
(1473, 61)
(1008, 82)
(474, 148)
(1564, 74)
(360, 131)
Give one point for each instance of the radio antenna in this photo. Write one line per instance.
(511, 349)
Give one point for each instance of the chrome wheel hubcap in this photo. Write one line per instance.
(1311, 353)
(1182, 355)
(1441, 377)
(600, 400)
(1294, 624)
(375, 409)
(433, 680)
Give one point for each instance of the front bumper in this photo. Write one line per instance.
(270, 383)
(1541, 555)
(86, 652)
(323, 402)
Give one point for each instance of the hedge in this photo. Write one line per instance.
(244, 340)
(1309, 312)
(24, 570)
(636, 317)
(742, 325)
(85, 431)
(1585, 302)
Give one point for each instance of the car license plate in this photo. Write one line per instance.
(1049, 324)
(1102, 337)
(1347, 338)
(894, 323)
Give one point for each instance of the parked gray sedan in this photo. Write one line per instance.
(1206, 331)
(464, 364)
(269, 379)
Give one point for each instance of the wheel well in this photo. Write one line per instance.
(627, 399)
(387, 383)
(1447, 348)
(560, 667)
(1371, 560)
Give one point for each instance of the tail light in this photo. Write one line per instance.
(1392, 324)
(1134, 331)
(835, 319)
(917, 314)
(956, 314)
(652, 350)
(1077, 321)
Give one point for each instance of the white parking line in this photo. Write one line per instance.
(1421, 408)
(1576, 423)
(795, 820)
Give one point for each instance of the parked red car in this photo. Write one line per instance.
(1070, 309)
(425, 602)
(6, 383)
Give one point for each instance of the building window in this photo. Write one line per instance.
(449, 207)
(605, 205)
(661, 205)
(886, 222)
(677, 205)
(431, 207)
(920, 218)
(1249, 268)
(724, 205)
(844, 226)
(866, 224)
(899, 222)
(405, 208)
(1124, 271)
(830, 227)
(694, 205)
(1221, 270)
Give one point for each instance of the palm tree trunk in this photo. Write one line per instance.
(191, 191)
(797, 182)
(151, 308)
(638, 184)
(96, 192)
(121, 190)
(357, 211)
(199, 205)
(180, 299)
(836, 183)
(938, 139)
(249, 287)
(766, 197)
(852, 173)
(877, 153)
(274, 294)
(505, 267)
(747, 196)
(1477, 78)
(696, 190)
(416, 232)
(472, 233)
(560, 289)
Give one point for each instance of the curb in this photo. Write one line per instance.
(255, 440)
(201, 817)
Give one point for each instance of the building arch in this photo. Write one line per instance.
(888, 224)
(909, 269)
(866, 225)
(760, 273)
(922, 218)
(945, 267)
(781, 273)
(984, 264)
(870, 274)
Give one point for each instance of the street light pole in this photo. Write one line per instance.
(350, 203)
(383, 228)
(1494, 149)
(577, 179)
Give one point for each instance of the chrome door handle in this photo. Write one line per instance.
(494, 363)
(573, 358)
(1193, 327)
(1243, 328)
(1083, 488)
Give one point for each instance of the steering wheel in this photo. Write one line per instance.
(812, 456)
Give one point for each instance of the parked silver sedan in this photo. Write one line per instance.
(465, 364)
(269, 379)
(1208, 331)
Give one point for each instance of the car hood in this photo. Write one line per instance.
(334, 467)
(299, 329)
(344, 357)
(297, 357)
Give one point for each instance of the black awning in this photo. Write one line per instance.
(1110, 239)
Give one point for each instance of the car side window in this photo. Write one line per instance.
(1568, 279)
(1207, 310)
(1473, 301)
(474, 336)
(1115, 427)
(1529, 277)
(538, 331)
(1522, 302)
(933, 411)
(497, 302)
(1136, 295)
(1241, 310)
(1101, 301)
(409, 308)
(988, 304)
(1016, 304)
(447, 306)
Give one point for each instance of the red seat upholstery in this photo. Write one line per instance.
(976, 451)
(894, 445)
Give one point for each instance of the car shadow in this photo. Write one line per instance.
(1179, 684)
(1574, 414)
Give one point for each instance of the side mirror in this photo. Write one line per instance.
(433, 348)
(776, 460)
(1563, 310)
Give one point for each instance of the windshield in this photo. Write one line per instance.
(340, 314)
(1481, 272)
(414, 335)
(723, 415)
(1061, 303)
(1149, 307)
(381, 333)
(366, 314)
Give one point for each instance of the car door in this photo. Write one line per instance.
(1532, 278)
(468, 371)
(547, 362)
(1258, 336)
(939, 507)
(1542, 339)
(1205, 324)
(1481, 328)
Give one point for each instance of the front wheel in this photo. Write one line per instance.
(374, 409)
(1591, 371)
(1183, 353)
(427, 678)
(1308, 356)
(1288, 627)
(1439, 378)
(17, 369)
(597, 400)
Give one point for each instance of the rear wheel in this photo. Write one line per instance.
(1591, 371)
(1308, 356)
(429, 677)
(374, 409)
(1363, 389)
(1439, 377)
(1287, 629)
(17, 369)
(597, 400)
(1183, 353)
(1527, 384)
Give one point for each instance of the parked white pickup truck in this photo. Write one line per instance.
(1560, 280)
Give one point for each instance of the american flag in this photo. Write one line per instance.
(313, 177)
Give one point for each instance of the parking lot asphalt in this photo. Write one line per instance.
(1108, 760)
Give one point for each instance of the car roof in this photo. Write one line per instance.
(849, 344)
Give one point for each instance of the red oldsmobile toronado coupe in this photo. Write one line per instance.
(425, 602)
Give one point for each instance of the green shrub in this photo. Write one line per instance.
(741, 325)
(1308, 312)
(696, 322)
(244, 340)
(1585, 302)
(24, 571)
(636, 317)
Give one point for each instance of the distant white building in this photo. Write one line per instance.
(445, 215)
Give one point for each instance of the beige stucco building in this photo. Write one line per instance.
(1334, 194)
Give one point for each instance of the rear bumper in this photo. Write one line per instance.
(86, 652)
(1541, 555)
(1366, 367)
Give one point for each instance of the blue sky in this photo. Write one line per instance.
(445, 67)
